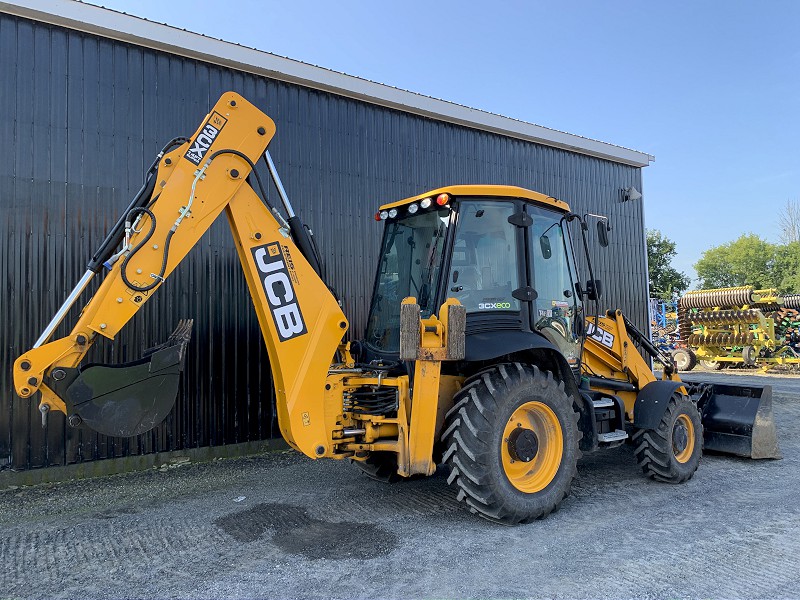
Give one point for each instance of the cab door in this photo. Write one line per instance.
(556, 312)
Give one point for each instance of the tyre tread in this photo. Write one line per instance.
(653, 447)
(467, 435)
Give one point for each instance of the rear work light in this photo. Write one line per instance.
(426, 203)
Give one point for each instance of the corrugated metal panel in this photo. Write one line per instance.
(82, 116)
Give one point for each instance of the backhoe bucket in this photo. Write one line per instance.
(738, 420)
(132, 398)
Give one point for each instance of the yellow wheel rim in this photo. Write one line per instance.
(532, 474)
(683, 448)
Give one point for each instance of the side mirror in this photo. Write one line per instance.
(603, 227)
(594, 289)
(544, 243)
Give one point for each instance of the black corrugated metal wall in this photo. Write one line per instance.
(80, 119)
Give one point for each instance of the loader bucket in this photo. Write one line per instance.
(739, 420)
(132, 398)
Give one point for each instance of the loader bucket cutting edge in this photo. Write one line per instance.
(131, 398)
(739, 420)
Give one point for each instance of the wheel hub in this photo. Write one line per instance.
(523, 445)
(680, 438)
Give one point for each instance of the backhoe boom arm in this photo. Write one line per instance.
(300, 319)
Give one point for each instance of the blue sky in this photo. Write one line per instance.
(711, 88)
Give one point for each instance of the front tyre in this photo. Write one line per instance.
(511, 441)
(672, 452)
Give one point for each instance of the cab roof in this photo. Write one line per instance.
(497, 192)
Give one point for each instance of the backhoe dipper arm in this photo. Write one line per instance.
(301, 321)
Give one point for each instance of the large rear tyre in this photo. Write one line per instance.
(511, 441)
(685, 359)
(671, 452)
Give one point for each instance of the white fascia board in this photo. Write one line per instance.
(141, 32)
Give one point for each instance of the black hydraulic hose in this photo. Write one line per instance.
(252, 170)
(142, 197)
(303, 241)
(117, 233)
(159, 277)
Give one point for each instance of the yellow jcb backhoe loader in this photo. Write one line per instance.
(477, 355)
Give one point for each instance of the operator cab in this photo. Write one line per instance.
(504, 252)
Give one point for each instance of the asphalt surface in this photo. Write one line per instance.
(283, 526)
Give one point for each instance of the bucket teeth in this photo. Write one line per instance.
(180, 336)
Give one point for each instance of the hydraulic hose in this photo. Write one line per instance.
(142, 198)
(159, 277)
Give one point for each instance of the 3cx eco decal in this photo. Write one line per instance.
(198, 148)
(601, 336)
(494, 305)
(280, 292)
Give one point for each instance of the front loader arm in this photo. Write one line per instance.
(611, 359)
(301, 321)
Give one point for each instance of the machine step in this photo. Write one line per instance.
(613, 436)
(603, 403)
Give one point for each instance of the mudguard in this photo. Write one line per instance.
(491, 344)
(652, 401)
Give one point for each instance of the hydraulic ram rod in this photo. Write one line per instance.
(73, 296)
(279, 185)
(300, 235)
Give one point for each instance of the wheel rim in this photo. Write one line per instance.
(683, 438)
(540, 459)
(681, 360)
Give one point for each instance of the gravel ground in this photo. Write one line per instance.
(283, 526)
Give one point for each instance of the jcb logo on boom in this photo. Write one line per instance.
(205, 138)
(600, 335)
(280, 292)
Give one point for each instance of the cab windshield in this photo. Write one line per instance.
(409, 265)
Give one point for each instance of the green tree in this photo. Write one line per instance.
(665, 280)
(787, 268)
(748, 260)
